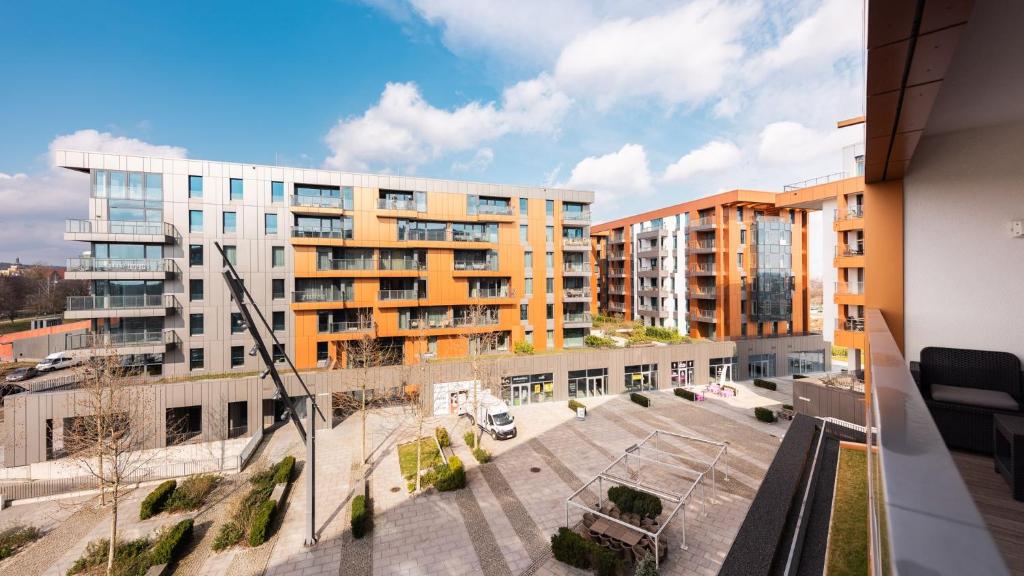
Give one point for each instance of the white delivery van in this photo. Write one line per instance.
(492, 416)
(56, 361)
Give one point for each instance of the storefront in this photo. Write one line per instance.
(804, 362)
(641, 377)
(682, 373)
(761, 366)
(587, 383)
(723, 369)
(528, 388)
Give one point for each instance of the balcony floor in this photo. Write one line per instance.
(1003, 514)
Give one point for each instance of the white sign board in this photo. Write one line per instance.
(449, 396)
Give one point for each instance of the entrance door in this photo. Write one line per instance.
(595, 386)
(759, 368)
(520, 394)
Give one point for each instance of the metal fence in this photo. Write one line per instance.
(814, 398)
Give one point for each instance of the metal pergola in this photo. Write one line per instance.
(633, 479)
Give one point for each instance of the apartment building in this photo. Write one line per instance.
(728, 265)
(329, 257)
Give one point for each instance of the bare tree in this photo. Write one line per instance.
(483, 367)
(364, 356)
(418, 411)
(13, 293)
(109, 437)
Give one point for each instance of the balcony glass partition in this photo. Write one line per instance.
(480, 260)
(323, 227)
(132, 196)
(422, 231)
(466, 232)
(323, 196)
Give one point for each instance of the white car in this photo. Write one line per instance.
(56, 361)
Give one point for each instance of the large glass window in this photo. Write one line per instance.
(277, 256)
(761, 365)
(270, 223)
(278, 320)
(195, 186)
(723, 369)
(277, 288)
(420, 230)
(804, 362)
(528, 388)
(323, 227)
(236, 187)
(641, 377)
(231, 254)
(588, 383)
(466, 232)
(195, 324)
(277, 191)
(230, 222)
(682, 373)
(195, 221)
(195, 290)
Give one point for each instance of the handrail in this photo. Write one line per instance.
(301, 200)
(78, 226)
(127, 265)
(922, 518)
(345, 264)
(396, 204)
(833, 177)
(99, 302)
(576, 215)
(345, 294)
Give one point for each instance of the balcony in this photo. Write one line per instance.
(849, 251)
(698, 269)
(576, 243)
(652, 233)
(616, 306)
(701, 247)
(316, 204)
(490, 265)
(122, 343)
(698, 224)
(364, 325)
(849, 288)
(400, 264)
(704, 293)
(119, 306)
(323, 295)
(652, 291)
(617, 238)
(325, 233)
(852, 324)
(468, 321)
(616, 255)
(400, 295)
(851, 213)
(648, 271)
(425, 323)
(576, 216)
(616, 288)
(344, 264)
(494, 209)
(576, 269)
(488, 293)
(120, 268)
(702, 315)
(651, 251)
(120, 231)
(396, 204)
(616, 273)
(426, 235)
(464, 236)
(653, 311)
(574, 318)
(574, 294)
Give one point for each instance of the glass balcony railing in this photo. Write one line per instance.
(323, 295)
(477, 265)
(120, 227)
(702, 268)
(702, 246)
(126, 265)
(578, 242)
(852, 324)
(488, 293)
(577, 317)
(345, 264)
(396, 204)
(704, 315)
(424, 323)
(347, 326)
(576, 292)
(849, 288)
(484, 320)
(317, 202)
(99, 340)
(400, 264)
(399, 295)
(425, 235)
(495, 209)
(849, 250)
(82, 303)
(576, 267)
(851, 213)
(702, 223)
(464, 236)
(576, 215)
(321, 233)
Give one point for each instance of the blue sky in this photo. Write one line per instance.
(645, 102)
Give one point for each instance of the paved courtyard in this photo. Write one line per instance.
(499, 525)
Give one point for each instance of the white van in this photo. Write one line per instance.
(56, 361)
(492, 416)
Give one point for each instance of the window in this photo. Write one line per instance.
(195, 186)
(641, 377)
(524, 312)
(277, 320)
(321, 351)
(195, 324)
(549, 234)
(529, 285)
(550, 285)
(196, 359)
(586, 383)
(524, 231)
(549, 260)
(230, 221)
(277, 191)
(230, 254)
(739, 259)
(743, 236)
(529, 337)
(270, 223)
(195, 220)
(550, 311)
(237, 356)
(739, 213)
(237, 323)
(277, 288)
(278, 353)
(551, 338)
(195, 290)
(549, 207)
(524, 206)
(277, 256)
(723, 369)
(528, 261)
(235, 192)
(432, 345)
(761, 366)
(195, 254)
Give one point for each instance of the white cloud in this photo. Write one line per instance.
(680, 56)
(794, 143)
(478, 163)
(726, 107)
(832, 31)
(95, 141)
(612, 177)
(713, 156)
(406, 131)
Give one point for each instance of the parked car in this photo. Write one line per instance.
(22, 374)
(56, 361)
(8, 389)
(492, 416)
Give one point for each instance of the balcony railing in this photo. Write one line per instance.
(576, 267)
(704, 316)
(426, 235)
(702, 268)
(495, 209)
(704, 293)
(317, 202)
(576, 242)
(97, 340)
(345, 264)
(851, 213)
(702, 246)
(576, 216)
(323, 295)
(424, 323)
(577, 317)
(396, 204)
(477, 265)
(616, 255)
(126, 265)
(120, 227)
(321, 233)
(834, 177)
(399, 295)
(616, 306)
(702, 223)
(349, 326)
(852, 324)
(400, 264)
(923, 519)
(576, 292)
(849, 250)
(76, 303)
(463, 236)
(850, 288)
(462, 321)
(488, 293)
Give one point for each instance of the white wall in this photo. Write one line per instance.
(964, 284)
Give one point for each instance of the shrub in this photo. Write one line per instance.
(569, 547)
(766, 384)
(665, 335)
(524, 348)
(442, 437)
(630, 500)
(595, 341)
(787, 406)
(639, 334)
(283, 470)
(646, 567)
(15, 537)
(260, 529)
(451, 476)
(362, 516)
(228, 535)
(798, 376)
(574, 404)
(192, 492)
(154, 502)
(171, 543)
(129, 557)
(640, 399)
(684, 393)
(470, 438)
(764, 414)
(482, 456)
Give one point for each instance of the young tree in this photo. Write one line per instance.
(364, 355)
(13, 293)
(109, 437)
(484, 368)
(418, 411)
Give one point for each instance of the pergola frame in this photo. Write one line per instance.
(680, 499)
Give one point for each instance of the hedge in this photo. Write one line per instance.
(482, 456)
(684, 393)
(764, 414)
(362, 516)
(283, 470)
(595, 341)
(155, 501)
(227, 535)
(766, 384)
(469, 438)
(171, 543)
(798, 376)
(442, 436)
(260, 528)
(630, 500)
(574, 404)
(451, 476)
(569, 547)
(524, 348)
(640, 399)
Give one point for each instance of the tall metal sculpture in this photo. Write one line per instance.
(244, 300)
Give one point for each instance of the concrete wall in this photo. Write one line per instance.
(964, 272)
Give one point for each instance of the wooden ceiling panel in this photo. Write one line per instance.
(881, 114)
(932, 55)
(939, 14)
(887, 64)
(890, 21)
(917, 105)
(903, 146)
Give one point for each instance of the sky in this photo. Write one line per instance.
(645, 102)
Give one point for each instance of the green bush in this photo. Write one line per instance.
(442, 437)
(574, 404)
(15, 537)
(191, 493)
(798, 376)
(482, 456)
(571, 548)
(154, 502)
(129, 557)
(228, 535)
(260, 529)
(787, 406)
(646, 567)
(524, 347)
(470, 438)
(451, 476)
(595, 341)
(362, 516)
(630, 500)
(667, 335)
(764, 414)
(283, 470)
(766, 384)
(171, 543)
(640, 399)
(684, 393)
